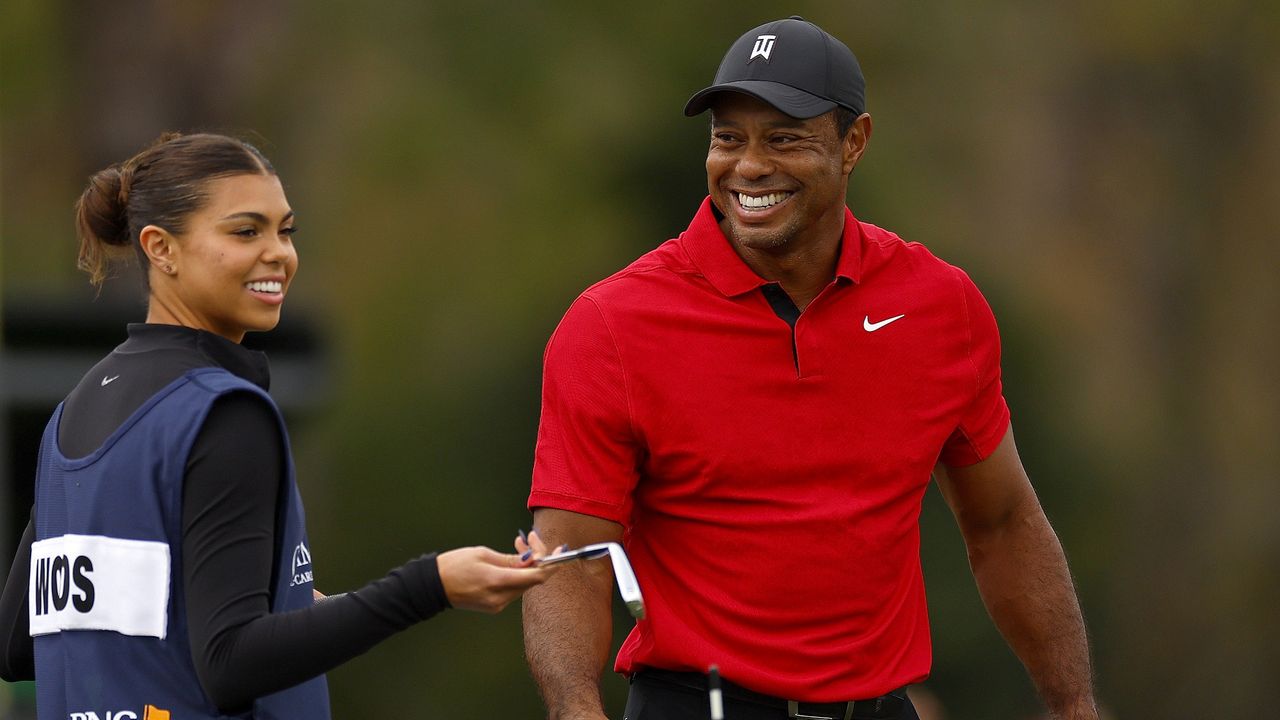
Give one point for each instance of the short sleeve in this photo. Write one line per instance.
(587, 455)
(985, 419)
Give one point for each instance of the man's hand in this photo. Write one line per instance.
(477, 578)
(1084, 710)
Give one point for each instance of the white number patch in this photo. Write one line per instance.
(90, 582)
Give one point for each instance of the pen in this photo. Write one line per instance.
(713, 692)
(524, 539)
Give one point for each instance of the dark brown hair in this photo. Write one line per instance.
(162, 186)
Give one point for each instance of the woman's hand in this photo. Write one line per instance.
(485, 580)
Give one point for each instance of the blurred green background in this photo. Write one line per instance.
(1107, 172)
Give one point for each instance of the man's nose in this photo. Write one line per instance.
(755, 162)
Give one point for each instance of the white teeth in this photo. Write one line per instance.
(265, 286)
(765, 201)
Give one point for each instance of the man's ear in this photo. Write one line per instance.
(855, 141)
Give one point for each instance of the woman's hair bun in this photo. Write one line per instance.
(102, 220)
(102, 213)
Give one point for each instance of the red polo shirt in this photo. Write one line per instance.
(769, 480)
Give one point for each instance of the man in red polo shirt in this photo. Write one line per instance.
(755, 409)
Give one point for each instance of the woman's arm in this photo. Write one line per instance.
(17, 662)
(241, 650)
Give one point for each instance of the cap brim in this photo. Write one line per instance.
(796, 103)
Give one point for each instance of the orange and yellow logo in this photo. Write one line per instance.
(154, 713)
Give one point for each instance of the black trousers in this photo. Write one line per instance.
(656, 695)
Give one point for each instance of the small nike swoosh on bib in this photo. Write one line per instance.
(108, 380)
(872, 327)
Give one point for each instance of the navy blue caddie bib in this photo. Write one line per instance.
(106, 598)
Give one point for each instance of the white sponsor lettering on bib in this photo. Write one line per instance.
(91, 582)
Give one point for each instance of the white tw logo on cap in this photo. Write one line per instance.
(762, 48)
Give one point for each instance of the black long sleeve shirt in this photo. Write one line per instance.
(241, 649)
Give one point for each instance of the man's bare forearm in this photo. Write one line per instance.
(568, 628)
(567, 633)
(1022, 575)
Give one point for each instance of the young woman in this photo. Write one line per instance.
(166, 570)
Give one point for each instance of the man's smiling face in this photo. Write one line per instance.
(774, 177)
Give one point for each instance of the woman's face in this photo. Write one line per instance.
(232, 266)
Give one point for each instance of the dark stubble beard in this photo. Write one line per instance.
(765, 241)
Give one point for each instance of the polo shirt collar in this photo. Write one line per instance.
(715, 257)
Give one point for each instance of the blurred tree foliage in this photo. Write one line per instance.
(1105, 171)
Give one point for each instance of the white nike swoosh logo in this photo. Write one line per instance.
(872, 327)
(108, 380)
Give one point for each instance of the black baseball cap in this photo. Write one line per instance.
(793, 65)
